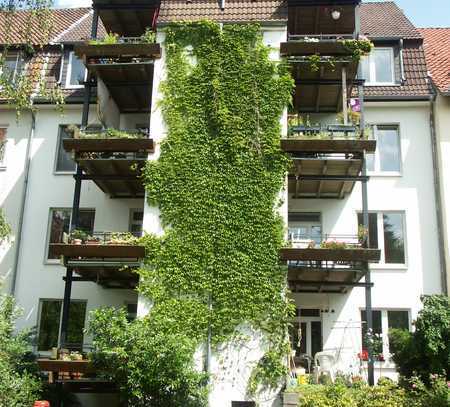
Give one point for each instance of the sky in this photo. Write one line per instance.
(429, 13)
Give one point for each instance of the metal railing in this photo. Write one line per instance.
(106, 237)
(320, 37)
(299, 240)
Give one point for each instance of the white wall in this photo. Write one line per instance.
(36, 278)
(412, 193)
(443, 140)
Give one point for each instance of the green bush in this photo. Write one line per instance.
(152, 369)
(426, 351)
(19, 384)
(385, 394)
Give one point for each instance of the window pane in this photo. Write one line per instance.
(373, 229)
(77, 71)
(376, 322)
(60, 224)
(370, 162)
(398, 319)
(49, 324)
(394, 242)
(383, 65)
(77, 314)
(64, 159)
(388, 148)
(11, 67)
(86, 221)
(2, 145)
(365, 68)
(316, 337)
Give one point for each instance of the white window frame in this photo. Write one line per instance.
(377, 172)
(385, 330)
(372, 68)
(55, 166)
(3, 157)
(18, 58)
(68, 85)
(380, 232)
(57, 262)
(39, 315)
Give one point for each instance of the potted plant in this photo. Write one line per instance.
(92, 240)
(78, 236)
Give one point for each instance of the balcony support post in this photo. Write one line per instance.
(344, 95)
(368, 288)
(66, 307)
(362, 121)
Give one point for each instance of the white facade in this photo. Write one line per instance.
(399, 287)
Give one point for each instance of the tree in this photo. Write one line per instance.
(19, 383)
(427, 350)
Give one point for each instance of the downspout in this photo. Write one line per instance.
(402, 65)
(438, 193)
(23, 204)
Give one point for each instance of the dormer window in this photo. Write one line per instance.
(378, 67)
(76, 72)
(11, 67)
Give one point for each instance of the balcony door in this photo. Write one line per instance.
(306, 335)
(305, 227)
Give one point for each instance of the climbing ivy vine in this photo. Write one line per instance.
(217, 184)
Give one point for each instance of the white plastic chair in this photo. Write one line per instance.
(325, 362)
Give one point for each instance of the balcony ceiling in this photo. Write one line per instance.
(315, 18)
(112, 174)
(126, 17)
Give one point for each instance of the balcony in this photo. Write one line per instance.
(326, 160)
(125, 67)
(106, 258)
(332, 264)
(127, 17)
(309, 17)
(113, 159)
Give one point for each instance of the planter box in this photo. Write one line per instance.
(290, 399)
(348, 255)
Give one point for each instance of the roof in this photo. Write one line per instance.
(61, 19)
(381, 20)
(234, 11)
(437, 53)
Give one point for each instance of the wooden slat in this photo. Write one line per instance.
(80, 366)
(350, 255)
(304, 145)
(108, 145)
(118, 50)
(97, 251)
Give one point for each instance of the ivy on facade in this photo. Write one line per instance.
(217, 184)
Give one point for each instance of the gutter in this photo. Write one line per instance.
(23, 204)
(438, 193)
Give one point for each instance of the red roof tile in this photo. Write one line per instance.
(60, 20)
(437, 53)
(235, 10)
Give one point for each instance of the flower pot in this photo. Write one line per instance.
(77, 241)
(92, 242)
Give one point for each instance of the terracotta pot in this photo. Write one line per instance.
(77, 241)
(92, 242)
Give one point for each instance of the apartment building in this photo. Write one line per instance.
(373, 169)
(437, 53)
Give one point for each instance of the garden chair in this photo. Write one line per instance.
(324, 363)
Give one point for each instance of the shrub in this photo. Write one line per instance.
(152, 369)
(19, 384)
(427, 350)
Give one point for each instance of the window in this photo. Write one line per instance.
(383, 321)
(131, 311)
(305, 226)
(50, 324)
(3, 141)
(64, 161)
(378, 67)
(60, 224)
(11, 67)
(387, 158)
(391, 227)
(76, 72)
(136, 221)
